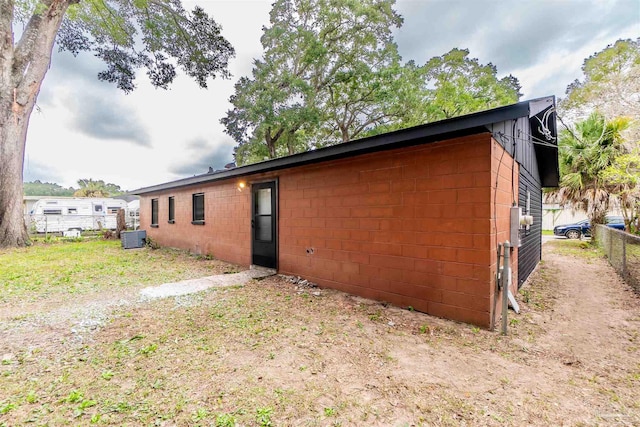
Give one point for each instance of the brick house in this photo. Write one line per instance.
(411, 217)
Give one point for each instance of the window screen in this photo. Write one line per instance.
(198, 207)
(172, 209)
(154, 211)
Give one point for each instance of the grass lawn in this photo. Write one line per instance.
(580, 248)
(63, 268)
(271, 353)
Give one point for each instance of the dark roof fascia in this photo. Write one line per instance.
(431, 132)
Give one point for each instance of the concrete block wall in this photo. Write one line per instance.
(226, 233)
(504, 191)
(410, 226)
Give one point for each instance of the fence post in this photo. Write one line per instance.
(610, 246)
(624, 255)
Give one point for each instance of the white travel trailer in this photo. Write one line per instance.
(133, 214)
(54, 215)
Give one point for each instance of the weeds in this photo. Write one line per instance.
(329, 412)
(199, 415)
(147, 350)
(150, 243)
(107, 375)
(263, 417)
(32, 397)
(5, 407)
(225, 420)
(74, 397)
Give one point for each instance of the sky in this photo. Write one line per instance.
(84, 128)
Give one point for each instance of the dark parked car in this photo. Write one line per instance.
(583, 228)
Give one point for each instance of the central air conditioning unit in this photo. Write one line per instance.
(133, 239)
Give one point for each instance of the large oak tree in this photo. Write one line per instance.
(611, 86)
(456, 84)
(157, 35)
(329, 72)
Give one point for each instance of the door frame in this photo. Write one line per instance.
(276, 217)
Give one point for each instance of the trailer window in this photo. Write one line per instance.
(97, 208)
(72, 211)
(154, 212)
(172, 210)
(113, 209)
(52, 211)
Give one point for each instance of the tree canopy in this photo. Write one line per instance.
(456, 84)
(159, 36)
(611, 85)
(96, 188)
(38, 188)
(331, 73)
(326, 72)
(622, 179)
(584, 153)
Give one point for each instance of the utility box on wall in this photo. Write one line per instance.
(519, 223)
(133, 239)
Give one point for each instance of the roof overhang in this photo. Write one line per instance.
(469, 124)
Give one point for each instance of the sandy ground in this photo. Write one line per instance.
(572, 357)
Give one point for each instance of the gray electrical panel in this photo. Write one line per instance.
(133, 239)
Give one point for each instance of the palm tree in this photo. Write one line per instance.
(584, 154)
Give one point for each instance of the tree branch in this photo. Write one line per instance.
(33, 54)
(6, 26)
(175, 16)
(24, 48)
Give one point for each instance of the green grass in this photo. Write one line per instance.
(265, 355)
(579, 248)
(547, 232)
(46, 269)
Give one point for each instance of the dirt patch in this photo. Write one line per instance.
(274, 353)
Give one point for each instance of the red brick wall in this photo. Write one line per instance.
(504, 172)
(226, 233)
(410, 226)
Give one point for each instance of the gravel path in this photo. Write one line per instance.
(45, 323)
(191, 286)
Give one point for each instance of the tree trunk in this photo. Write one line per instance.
(271, 144)
(23, 67)
(121, 224)
(344, 133)
(13, 231)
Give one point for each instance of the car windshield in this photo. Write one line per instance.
(615, 220)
